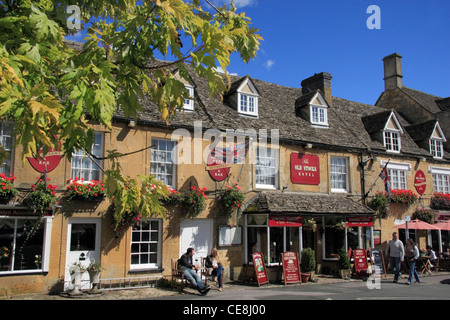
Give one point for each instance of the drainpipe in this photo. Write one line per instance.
(363, 178)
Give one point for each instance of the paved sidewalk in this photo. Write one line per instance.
(155, 292)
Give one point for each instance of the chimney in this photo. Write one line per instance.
(392, 71)
(321, 81)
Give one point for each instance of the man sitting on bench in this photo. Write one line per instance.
(190, 272)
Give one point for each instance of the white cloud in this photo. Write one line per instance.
(220, 70)
(238, 3)
(269, 63)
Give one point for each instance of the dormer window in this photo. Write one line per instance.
(318, 110)
(436, 148)
(247, 104)
(247, 98)
(319, 115)
(392, 134)
(392, 141)
(189, 103)
(437, 140)
(313, 108)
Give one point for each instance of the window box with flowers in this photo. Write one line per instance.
(403, 196)
(230, 199)
(440, 201)
(380, 202)
(7, 190)
(92, 190)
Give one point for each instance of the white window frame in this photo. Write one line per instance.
(158, 175)
(273, 158)
(399, 171)
(345, 174)
(319, 115)
(441, 179)
(5, 135)
(81, 172)
(436, 148)
(248, 99)
(45, 257)
(390, 141)
(147, 266)
(189, 103)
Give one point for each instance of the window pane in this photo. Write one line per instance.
(145, 243)
(82, 237)
(6, 243)
(28, 251)
(257, 241)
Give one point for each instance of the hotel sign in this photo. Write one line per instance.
(305, 169)
(420, 182)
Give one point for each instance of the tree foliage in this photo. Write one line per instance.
(51, 90)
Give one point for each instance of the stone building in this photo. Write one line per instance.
(307, 162)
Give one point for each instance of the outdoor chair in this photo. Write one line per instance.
(177, 274)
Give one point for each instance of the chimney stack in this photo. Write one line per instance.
(321, 81)
(392, 71)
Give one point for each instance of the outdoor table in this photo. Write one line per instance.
(425, 264)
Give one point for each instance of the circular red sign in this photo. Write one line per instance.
(51, 160)
(420, 182)
(219, 174)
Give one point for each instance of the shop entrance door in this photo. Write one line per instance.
(196, 233)
(83, 247)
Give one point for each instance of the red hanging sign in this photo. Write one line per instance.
(260, 268)
(291, 267)
(305, 169)
(285, 221)
(47, 163)
(420, 182)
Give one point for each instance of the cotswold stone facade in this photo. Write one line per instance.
(309, 169)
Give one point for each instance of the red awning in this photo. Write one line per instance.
(285, 221)
(359, 221)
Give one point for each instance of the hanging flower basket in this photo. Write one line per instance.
(193, 201)
(42, 197)
(232, 198)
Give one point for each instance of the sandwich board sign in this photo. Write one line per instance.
(291, 267)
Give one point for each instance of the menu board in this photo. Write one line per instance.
(291, 268)
(260, 268)
(360, 260)
(378, 260)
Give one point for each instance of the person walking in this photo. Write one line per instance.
(190, 272)
(412, 254)
(213, 265)
(396, 252)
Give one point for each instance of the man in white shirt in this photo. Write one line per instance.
(396, 253)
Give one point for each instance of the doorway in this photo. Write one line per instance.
(83, 247)
(197, 234)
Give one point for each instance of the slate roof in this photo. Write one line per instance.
(298, 203)
(348, 120)
(421, 131)
(428, 101)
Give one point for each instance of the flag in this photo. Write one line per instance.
(231, 155)
(385, 177)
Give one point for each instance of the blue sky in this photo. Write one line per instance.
(306, 37)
